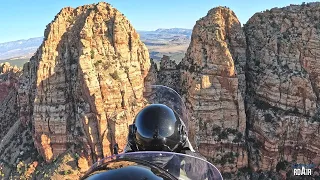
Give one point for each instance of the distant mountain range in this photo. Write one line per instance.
(165, 33)
(24, 49)
(20, 48)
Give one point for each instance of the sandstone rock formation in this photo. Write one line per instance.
(271, 66)
(85, 83)
(283, 86)
(210, 83)
(169, 73)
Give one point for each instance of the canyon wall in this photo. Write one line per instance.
(253, 91)
(283, 86)
(8, 97)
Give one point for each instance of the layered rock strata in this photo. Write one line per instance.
(213, 89)
(283, 86)
(85, 83)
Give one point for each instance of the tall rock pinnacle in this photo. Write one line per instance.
(210, 80)
(80, 88)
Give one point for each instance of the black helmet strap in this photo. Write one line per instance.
(131, 137)
(132, 129)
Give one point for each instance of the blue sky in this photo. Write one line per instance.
(23, 19)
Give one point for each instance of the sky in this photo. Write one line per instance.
(23, 19)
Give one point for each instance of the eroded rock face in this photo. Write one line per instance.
(283, 86)
(83, 164)
(213, 91)
(8, 97)
(274, 66)
(169, 73)
(85, 83)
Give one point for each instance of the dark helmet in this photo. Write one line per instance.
(158, 128)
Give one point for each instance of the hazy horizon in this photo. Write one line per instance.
(24, 39)
(28, 19)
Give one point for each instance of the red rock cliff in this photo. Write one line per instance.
(85, 82)
(210, 83)
(283, 81)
